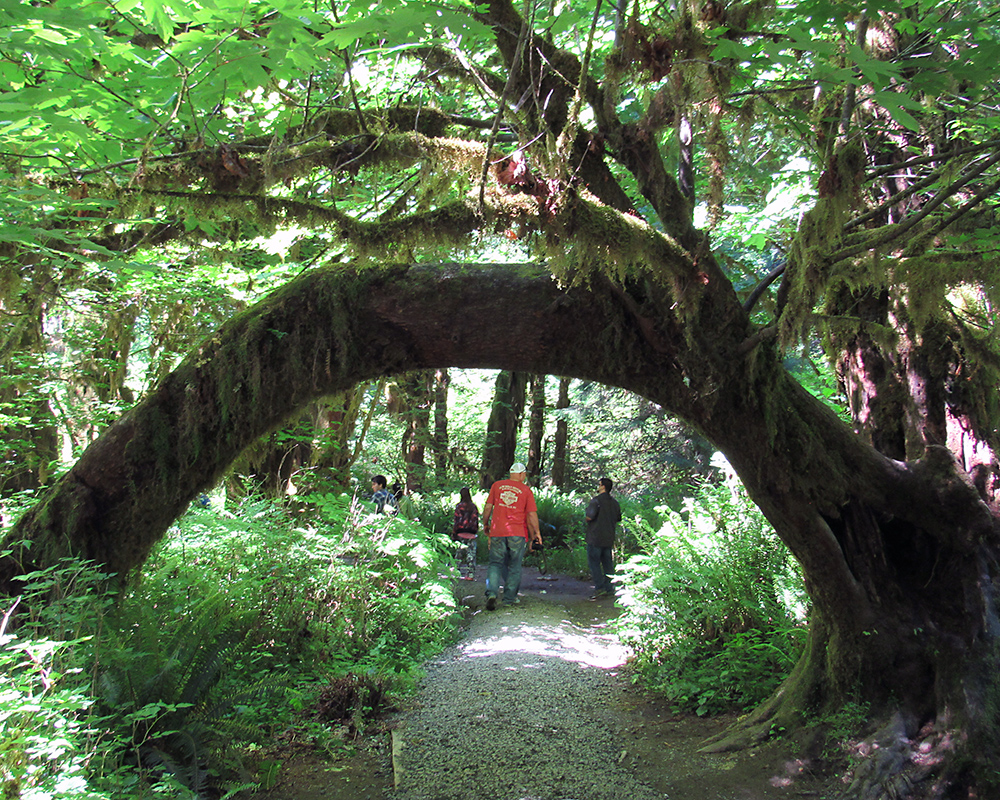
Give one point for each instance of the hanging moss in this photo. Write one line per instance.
(808, 275)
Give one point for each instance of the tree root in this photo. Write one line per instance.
(894, 766)
(900, 761)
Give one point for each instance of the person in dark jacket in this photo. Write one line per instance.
(603, 515)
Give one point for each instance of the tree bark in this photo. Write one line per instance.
(441, 381)
(335, 421)
(900, 558)
(418, 391)
(560, 448)
(272, 461)
(536, 429)
(502, 427)
(29, 442)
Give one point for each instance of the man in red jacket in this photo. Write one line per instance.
(510, 517)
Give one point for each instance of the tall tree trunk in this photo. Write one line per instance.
(536, 429)
(273, 460)
(441, 456)
(29, 442)
(504, 422)
(560, 449)
(335, 422)
(96, 387)
(107, 369)
(902, 366)
(907, 395)
(418, 394)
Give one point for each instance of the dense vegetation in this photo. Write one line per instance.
(245, 629)
(235, 234)
(254, 630)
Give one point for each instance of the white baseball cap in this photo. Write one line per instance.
(516, 467)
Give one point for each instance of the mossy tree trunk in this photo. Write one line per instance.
(442, 379)
(560, 447)
(273, 461)
(536, 428)
(502, 427)
(418, 393)
(900, 556)
(336, 420)
(29, 441)
(914, 393)
(97, 383)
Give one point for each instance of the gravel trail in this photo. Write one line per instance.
(525, 707)
(532, 704)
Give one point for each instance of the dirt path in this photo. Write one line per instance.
(556, 632)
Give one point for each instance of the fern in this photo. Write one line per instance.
(166, 695)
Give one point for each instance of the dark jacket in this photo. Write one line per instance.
(466, 519)
(603, 515)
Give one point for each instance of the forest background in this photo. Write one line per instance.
(234, 272)
(296, 615)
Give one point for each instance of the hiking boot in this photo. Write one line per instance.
(491, 603)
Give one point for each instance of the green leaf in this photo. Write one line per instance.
(894, 103)
(157, 16)
(737, 51)
(49, 35)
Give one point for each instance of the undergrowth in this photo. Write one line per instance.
(241, 626)
(714, 604)
(271, 624)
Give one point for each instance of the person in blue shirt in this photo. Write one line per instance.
(383, 499)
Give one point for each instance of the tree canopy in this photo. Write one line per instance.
(683, 195)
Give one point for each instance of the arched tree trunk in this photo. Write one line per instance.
(900, 559)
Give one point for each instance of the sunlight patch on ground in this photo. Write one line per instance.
(552, 641)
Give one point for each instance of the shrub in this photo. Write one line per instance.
(45, 742)
(715, 605)
(157, 689)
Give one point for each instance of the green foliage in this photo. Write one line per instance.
(843, 724)
(173, 690)
(714, 607)
(241, 624)
(636, 443)
(43, 729)
(144, 144)
(818, 378)
(560, 516)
